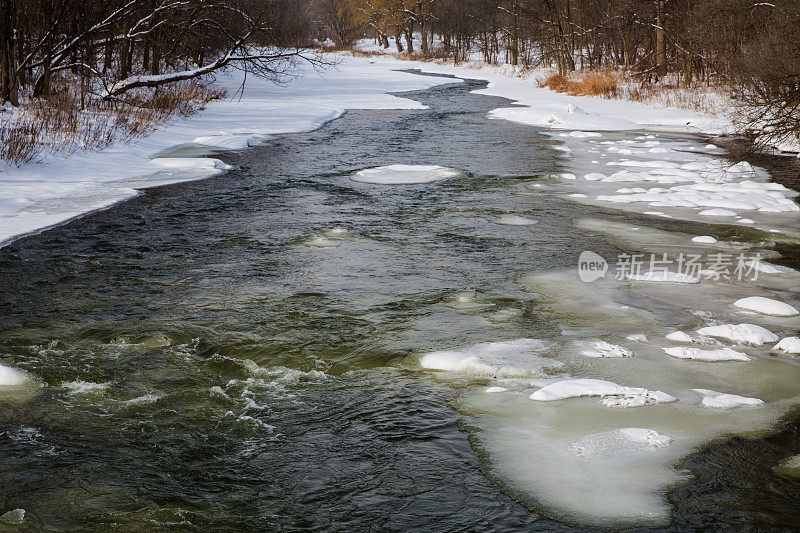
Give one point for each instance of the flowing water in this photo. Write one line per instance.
(239, 353)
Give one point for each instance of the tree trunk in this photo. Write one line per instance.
(398, 43)
(661, 53)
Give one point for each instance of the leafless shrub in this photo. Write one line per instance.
(57, 124)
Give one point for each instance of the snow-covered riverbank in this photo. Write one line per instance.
(56, 189)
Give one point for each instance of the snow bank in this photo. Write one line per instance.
(766, 306)
(613, 395)
(620, 442)
(56, 189)
(740, 333)
(720, 354)
(721, 400)
(404, 174)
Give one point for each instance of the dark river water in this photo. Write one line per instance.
(207, 368)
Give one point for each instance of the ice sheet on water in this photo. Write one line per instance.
(404, 174)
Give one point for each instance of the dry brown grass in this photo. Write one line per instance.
(57, 124)
(592, 84)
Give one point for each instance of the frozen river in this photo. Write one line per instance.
(307, 343)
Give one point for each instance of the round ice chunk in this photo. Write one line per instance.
(404, 174)
(704, 239)
(766, 306)
(740, 333)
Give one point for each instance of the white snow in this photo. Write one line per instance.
(679, 336)
(721, 400)
(494, 390)
(514, 220)
(704, 239)
(504, 358)
(605, 349)
(621, 441)
(789, 345)
(404, 174)
(740, 333)
(719, 354)
(637, 337)
(766, 306)
(11, 377)
(613, 395)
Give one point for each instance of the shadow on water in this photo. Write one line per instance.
(207, 369)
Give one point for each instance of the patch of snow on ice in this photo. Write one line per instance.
(505, 358)
(613, 395)
(621, 441)
(721, 400)
(740, 333)
(719, 354)
(766, 306)
(605, 349)
(704, 239)
(789, 345)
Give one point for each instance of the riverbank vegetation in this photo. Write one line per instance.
(125, 51)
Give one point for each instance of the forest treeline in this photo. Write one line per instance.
(107, 48)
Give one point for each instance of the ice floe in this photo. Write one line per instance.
(704, 239)
(720, 400)
(698, 354)
(11, 377)
(679, 336)
(740, 333)
(613, 395)
(505, 358)
(605, 349)
(789, 345)
(766, 306)
(404, 174)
